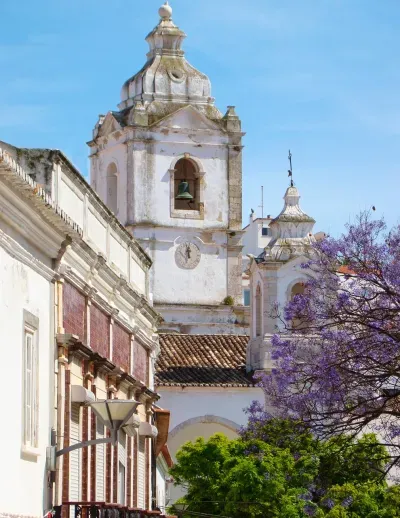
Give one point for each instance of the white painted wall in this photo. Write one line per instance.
(24, 476)
(187, 403)
(194, 403)
(253, 240)
(206, 284)
(146, 203)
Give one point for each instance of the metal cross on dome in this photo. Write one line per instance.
(290, 172)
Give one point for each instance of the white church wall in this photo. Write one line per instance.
(202, 412)
(153, 183)
(206, 284)
(213, 160)
(24, 289)
(228, 403)
(151, 158)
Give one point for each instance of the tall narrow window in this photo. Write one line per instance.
(186, 186)
(112, 188)
(30, 390)
(258, 311)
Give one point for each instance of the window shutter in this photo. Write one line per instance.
(100, 453)
(122, 467)
(141, 472)
(75, 463)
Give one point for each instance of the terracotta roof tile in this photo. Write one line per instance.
(202, 360)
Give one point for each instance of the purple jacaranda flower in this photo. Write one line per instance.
(347, 501)
(309, 510)
(341, 370)
(328, 503)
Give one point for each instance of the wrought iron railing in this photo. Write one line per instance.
(103, 510)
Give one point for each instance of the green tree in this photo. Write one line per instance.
(279, 470)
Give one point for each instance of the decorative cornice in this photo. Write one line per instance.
(13, 173)
(19, 253)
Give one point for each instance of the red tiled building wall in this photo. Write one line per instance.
(99, 331)
(140, 362)
(74, 311)
(121, 347)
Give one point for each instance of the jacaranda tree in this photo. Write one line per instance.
(338, 368)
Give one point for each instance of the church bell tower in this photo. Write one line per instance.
(168, 163)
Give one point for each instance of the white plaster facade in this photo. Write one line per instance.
(55, 232)
(204, 411)
(167, 114)
(27, 295)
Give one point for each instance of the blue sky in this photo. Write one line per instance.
(319, 77)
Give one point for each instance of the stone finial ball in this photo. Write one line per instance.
(165, 11)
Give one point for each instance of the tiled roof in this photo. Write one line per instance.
(202, 360)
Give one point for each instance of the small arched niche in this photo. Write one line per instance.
(186, 171)
(297, 289)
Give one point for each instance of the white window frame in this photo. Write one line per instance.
(30, 395)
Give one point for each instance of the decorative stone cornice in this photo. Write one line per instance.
(12, 172)
(291, 232)
(19, 253)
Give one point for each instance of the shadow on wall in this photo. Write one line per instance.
(206, 376)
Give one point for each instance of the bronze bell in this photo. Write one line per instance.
(184, 192)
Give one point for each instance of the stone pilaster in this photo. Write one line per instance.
(234, 266)
(233, 126)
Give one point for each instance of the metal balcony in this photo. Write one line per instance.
(102, 510)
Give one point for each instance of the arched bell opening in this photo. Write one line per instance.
(186, 186)
(297, 289)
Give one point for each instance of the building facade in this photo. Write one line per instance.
(76, 294)
(168, 163)
(27, 246)
(276, 277)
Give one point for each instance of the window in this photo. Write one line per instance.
(246, 297)
(186, 185)
(265, 231)
(30, 430)
(112, 188)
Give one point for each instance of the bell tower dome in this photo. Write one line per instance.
(169, 164)
(167, 77)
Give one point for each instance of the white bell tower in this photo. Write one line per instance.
(169, 164)
(276, 276)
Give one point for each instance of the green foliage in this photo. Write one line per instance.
(280, 470)
(228, 301)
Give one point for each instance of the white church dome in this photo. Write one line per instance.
(167, 80)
